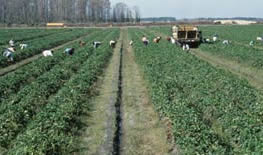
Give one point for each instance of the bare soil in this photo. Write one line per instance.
(143, 131)
(98, 136)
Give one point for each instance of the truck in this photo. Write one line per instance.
(187, 34)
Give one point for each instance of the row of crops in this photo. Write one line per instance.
(239, 49)
(212, 111)
(39, 44)
(26, 34)
(41, 102)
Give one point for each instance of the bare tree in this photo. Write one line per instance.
(72, 11)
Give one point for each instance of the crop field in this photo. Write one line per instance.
(211, 110)
(239, 36)
(35, 94)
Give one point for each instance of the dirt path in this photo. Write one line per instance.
(26, 61)
(251, 74)
(143, 132)
(98, 137)
(122, 119)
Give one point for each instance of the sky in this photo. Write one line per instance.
(197, 8)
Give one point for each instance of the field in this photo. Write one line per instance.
(155, 99)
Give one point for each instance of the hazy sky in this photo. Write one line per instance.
(198, 8)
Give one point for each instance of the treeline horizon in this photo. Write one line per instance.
(34, 12)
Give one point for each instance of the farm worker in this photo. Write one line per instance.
(145, 40)
(47, 53)
(251, 43)
(69, 51)
(9, 53)
(186, 47)
(157, 39)
(82, 43)
(174, 35)
(259, 38)
(23, 46)
(226, 42)
(11, 43)
(131, 43)
(96, 44)
(215, 37)
(206, 40)
(172, 40)
(113, 43)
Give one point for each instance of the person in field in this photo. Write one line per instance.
(69, 51)
(206, 40)
(226, 42)
(23, 46)
(9, 53)
(251, 43)
(259, 39)
(186, 47)
(171, 40)
(157, 39)
(145, 40)
(82, 43)
(131, 43)
(96, 44)
(113, 43)
(12, 43)
(215, 37)
(47, 53)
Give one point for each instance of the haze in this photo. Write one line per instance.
(197, 8)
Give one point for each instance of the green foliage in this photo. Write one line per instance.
(26, 34)
(212, 111)
(20, 108)
(36, 46)
(14, 81)
(52, 129)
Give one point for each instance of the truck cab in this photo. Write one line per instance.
(187, 34)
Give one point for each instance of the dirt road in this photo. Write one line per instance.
(123, 120)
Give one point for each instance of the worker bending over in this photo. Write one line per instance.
(9, 53)
(131, 43)
(251, 43)
(171, 40)
(157, 39)
(69, 51)
(82, 43)
(12, 43)
(23, 46)
(215, 37)
(47, 53)
(96, 44)
(113, 43)
(186, 47)
(145, 40)
(226, 42)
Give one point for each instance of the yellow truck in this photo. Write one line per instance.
(187, 34)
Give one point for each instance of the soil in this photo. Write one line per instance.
(140, 130)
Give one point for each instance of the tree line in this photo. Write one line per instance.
(69, 11)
